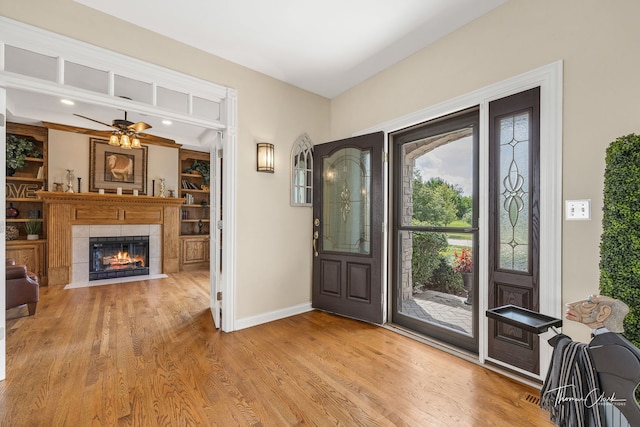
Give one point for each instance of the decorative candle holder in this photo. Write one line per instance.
(70, 178)
(162, 187)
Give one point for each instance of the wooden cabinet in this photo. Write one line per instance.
(21, 195)
(194, 252)
(30, 254)
(195, 211)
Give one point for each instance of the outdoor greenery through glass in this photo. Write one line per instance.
(438, 212)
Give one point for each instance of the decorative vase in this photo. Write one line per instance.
(10, 171)
(12, 212)
(33, 236)
(12, 232)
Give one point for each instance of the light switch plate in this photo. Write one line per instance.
(577, 210)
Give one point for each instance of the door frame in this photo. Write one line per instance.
(3, 245)
(549, 79)
(62, 47)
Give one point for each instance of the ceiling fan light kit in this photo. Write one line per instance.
(126, 134)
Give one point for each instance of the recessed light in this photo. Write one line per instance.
(166, 122)
(67, 102)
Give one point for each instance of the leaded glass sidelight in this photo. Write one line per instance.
(514, 218)
(346, 176)
(302, 172)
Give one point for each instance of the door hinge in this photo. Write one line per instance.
(385, 156)
(219, 296)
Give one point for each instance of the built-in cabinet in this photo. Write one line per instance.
(24, 205)
(195, 222)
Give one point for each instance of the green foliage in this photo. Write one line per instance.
(445, 279)
(437, 202)
(32, 226)
(426, 255)
(17, 149)
(202, 168)
(620, 242)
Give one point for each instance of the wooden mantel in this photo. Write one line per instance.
(67, 209)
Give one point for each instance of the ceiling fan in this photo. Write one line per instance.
(126, 134)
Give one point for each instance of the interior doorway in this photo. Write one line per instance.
(218, 105)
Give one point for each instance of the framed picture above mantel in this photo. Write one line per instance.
(112, 167)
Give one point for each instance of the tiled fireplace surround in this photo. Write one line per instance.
(80, 245)
(72, 218)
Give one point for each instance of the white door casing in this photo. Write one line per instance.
(549, 79)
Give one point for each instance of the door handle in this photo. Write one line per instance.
(315, 243)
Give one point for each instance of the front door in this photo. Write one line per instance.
(347, 227)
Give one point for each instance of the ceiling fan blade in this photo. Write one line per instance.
(139, 127)
(94, 120)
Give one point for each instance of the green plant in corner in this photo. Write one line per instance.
(18, 149)
(32, 226)
(203, 169)
(620, 241)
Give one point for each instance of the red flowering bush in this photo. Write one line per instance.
(463, 261)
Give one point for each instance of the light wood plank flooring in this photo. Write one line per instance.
(147, 354)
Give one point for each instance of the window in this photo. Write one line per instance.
(302, 172)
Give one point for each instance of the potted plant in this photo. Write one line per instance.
(463, 264)
(18, 149)
(32, 228)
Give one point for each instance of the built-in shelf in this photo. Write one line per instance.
(24, 179)
(22, 187)
(194, 223)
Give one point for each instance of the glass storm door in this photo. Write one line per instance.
(347, 227)
(435, 230)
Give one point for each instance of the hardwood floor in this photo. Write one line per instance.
(146, 354)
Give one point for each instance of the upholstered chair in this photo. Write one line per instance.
(22, 287)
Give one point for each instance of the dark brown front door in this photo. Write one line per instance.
(347, 227)
(514, 223)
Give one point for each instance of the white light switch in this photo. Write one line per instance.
(577, 209)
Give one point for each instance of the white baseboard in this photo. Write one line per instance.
(248, 322)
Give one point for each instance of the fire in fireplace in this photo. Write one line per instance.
(121, 256)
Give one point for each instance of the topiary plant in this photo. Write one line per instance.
(620, 242)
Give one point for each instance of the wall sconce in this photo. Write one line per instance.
(265, 157)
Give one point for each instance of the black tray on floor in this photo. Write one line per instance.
(522, 318)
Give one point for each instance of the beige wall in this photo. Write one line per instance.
(71, 151)
(274, 259)
(598, 42)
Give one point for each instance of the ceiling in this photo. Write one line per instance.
(324, 47)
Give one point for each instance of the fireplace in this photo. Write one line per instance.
(119, 256)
